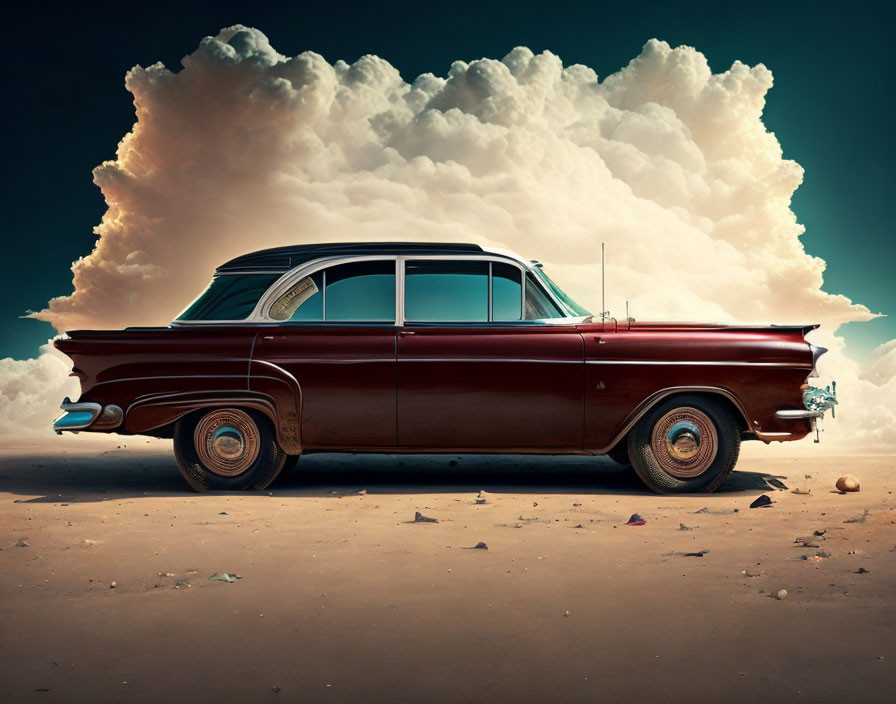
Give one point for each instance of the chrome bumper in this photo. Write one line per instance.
(87, 415)
(798, 415)
(76, 416)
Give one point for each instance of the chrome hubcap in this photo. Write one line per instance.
(684, 442)
(227, 441)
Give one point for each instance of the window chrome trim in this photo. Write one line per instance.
(259, 315)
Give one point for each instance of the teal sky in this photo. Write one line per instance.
(831, 108)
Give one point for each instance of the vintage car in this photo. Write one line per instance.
(428, 348)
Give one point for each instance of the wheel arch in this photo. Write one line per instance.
(726, 396)
(157, 414)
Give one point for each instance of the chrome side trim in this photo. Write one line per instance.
(787, 414)
(508, 360)
(710, 363)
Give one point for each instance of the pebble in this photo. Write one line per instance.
(782, 594)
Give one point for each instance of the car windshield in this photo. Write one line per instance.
(229, 297)
(574, 308)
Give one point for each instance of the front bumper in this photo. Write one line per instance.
(798, 415)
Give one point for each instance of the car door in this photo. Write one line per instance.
(472, 374)
(337, 338)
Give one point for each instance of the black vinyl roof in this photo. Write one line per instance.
(286, 258)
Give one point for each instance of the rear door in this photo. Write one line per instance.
(472, 374)
(337, 339)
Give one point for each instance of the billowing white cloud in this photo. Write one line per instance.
(666, 162)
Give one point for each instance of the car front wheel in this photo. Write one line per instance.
(227, 449)
(686, 444)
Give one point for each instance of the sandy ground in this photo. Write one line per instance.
(344, 599)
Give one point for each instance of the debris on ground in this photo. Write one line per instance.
(761, 502)
(420, 518)
(223, 513)
(847, 483)
(860, 519)
(803, 492)
(781, 595)
(479, 501)
(820, 532)
(805, 543)
(21, 543)
(479, 546)
(682, 526)
(699, 553)
(534, 504)
(747, 573)
(705, 509)
(224, 577)
(862, 570)
(635, 520)
(527, 520)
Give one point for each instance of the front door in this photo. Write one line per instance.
(472, 375)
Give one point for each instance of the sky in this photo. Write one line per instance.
(830, 108)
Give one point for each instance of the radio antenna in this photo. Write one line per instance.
(603, 284)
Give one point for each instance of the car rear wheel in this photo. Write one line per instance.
(227, 449)
(686, 444)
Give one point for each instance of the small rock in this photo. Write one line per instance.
(860, 519)
(862, 570)
(21, 543)
(781, 595)
(635, 520)
(224, 577)
(420, 518)
(534, 503)
(565, 614)
(699, 553)
(223, 513)
(804, 492)
(113, 584)
(682, 526)
(480, 546)
(479, 501)
(847, 483)
(761, 502)
(820, 532)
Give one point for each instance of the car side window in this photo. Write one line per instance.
(358, 292)
(538, 305)
(446, 291)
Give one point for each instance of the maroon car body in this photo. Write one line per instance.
(564, 384)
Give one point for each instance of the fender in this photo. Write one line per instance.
(154, 411)
(274, 382)
(651, 401)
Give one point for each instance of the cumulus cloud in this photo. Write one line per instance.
(666, 162)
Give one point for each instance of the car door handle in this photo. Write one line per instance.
(405, 333)
(599, 341)
(267, 337)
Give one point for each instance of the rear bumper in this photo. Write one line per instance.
(76, 416)
(87, 415)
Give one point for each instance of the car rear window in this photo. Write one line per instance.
(229, 297)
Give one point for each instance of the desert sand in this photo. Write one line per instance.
(342, 597)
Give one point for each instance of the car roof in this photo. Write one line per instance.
(286, 258)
